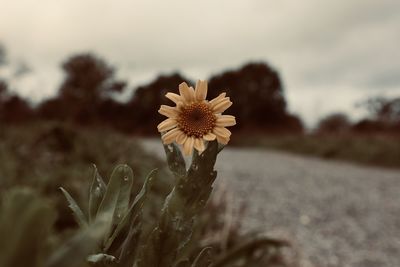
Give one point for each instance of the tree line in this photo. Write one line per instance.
(87, 96)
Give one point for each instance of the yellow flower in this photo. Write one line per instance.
(194, 119)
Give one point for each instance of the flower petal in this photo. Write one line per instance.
(174, 97)
(188, 146)
(168, 111)
(201, 90)
(223, 140)
(181, 138)
(192, 92)
(167, 125)
(170, 136)
(216, 100)
(186, 92)
(225, 120)
(221, 131)
(209, 137)
(222, 106)
(199, 144)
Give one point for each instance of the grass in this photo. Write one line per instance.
(380, 150)
(46, 156)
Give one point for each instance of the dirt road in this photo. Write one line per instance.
(338, 214)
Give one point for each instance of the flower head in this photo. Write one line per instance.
(194, 119)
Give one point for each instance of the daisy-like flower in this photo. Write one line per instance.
(194, 119)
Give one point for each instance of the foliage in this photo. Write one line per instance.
(336, 123)
(89, 81)
(13, 108)
(383, 109)
(86, 96)
(44, 156)
(260, 101)
(30, 219)
(26, 221)
(169, 243)
(384, 116)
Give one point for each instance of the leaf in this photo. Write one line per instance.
(76, 211)
(96, 194)
(176, 162)
(131, 242)
(124, 196)
(109, 203)
(141, 196)
(167, 243)
(25, 224)
(204, 258)
(197, 185)
(74, 252)
(220, 147)
(134, 209)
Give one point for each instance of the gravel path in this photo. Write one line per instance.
(337, 214)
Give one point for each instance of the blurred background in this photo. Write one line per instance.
(81, 83)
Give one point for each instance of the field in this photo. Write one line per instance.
(43, 157)
(47, 156)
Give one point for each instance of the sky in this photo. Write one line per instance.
(329, 54)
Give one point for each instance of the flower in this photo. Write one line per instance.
(194, 119)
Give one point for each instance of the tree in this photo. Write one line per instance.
(3, 83)
(3, 90)
(16, 110)
(383, 109)
(3, 98)
(89, 81)
(259, 101)
(384, 115)
(13, 109)
(336, 123)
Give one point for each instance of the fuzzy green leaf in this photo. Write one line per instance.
(76, 211)
(176, 162)
(109, 203)
(96, 194)
(131, 243)
(196, 188)
(166, 244)
(74, 252)
(124, 196)
(25, 223)
(134, 209)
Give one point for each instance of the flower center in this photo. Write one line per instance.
(196, 119)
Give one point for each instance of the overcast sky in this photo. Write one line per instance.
(330, 54)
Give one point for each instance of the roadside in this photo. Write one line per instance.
(376, 150)
(337, 214)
